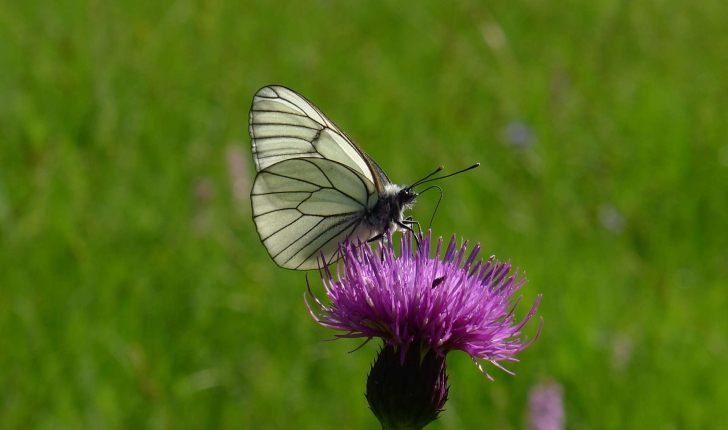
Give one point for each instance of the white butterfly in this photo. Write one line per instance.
(315, 187)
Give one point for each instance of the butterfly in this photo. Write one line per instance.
(315, 187)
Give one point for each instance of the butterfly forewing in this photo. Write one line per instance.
(285, 125)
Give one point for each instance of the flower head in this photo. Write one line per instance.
(441, 304)
(422, 308)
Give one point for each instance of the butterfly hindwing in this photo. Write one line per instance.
(303, 207)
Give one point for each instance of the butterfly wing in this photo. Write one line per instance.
(303, 207)
(284, 125)
(314, 187)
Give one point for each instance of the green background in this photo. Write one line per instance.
(134, 292)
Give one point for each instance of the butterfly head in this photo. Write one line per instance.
(407, 197)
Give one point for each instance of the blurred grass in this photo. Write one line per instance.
(134, 292)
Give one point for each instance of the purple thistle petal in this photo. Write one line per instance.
(448, 304)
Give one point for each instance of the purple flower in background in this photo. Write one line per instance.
(546, 407)
(422, 308)
(611, 219)
(519, 135)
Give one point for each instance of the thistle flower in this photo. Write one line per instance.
(423, 307)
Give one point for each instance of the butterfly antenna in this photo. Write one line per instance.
(422, 181)
(436, 206)
(425, 178)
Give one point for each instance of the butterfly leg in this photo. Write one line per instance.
(376, 238)
(409, 221)
(407, 224)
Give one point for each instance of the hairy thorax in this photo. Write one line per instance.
(388, 212)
